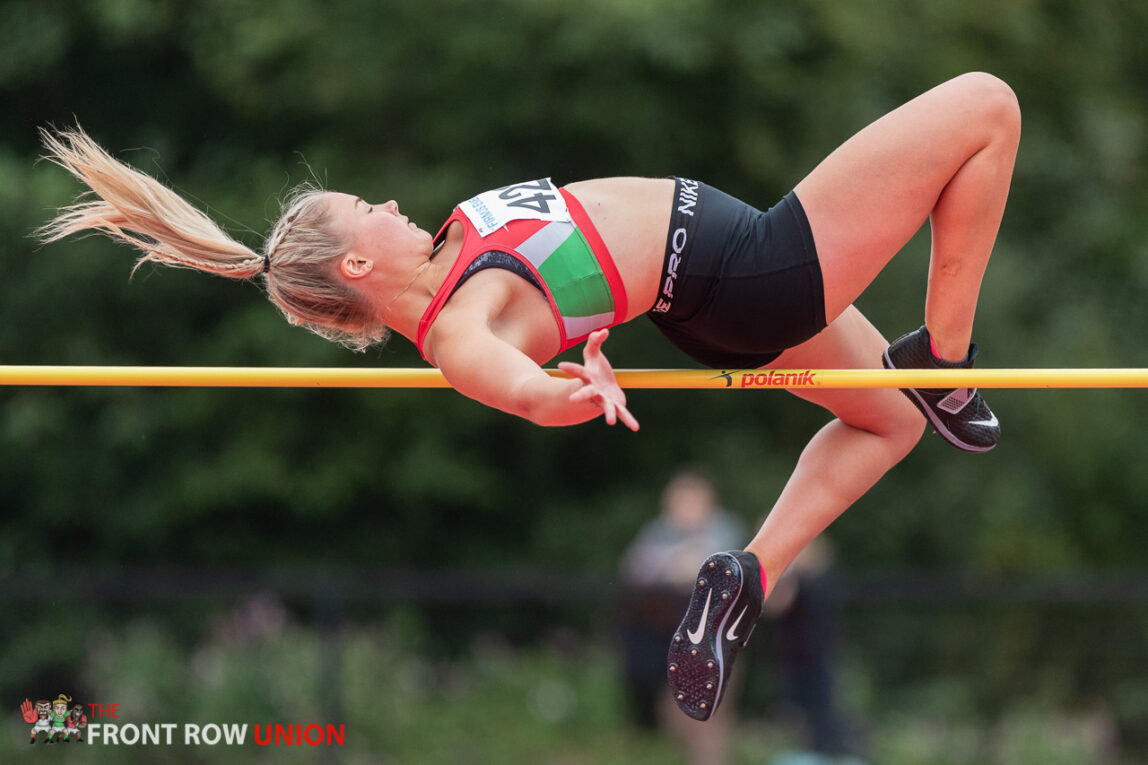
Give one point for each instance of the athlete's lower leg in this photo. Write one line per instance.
(872, 432)
(838, 465)
(966, 218)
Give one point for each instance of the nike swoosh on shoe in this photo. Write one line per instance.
(729, 635)
(695, 636)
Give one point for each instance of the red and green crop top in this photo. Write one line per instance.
(542, 233)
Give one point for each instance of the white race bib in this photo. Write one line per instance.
(533, 200)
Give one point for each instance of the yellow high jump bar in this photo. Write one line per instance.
(791, 379)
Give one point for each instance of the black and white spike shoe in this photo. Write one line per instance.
(958, 415)
(725, 605)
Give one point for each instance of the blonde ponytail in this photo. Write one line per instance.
(297, 262)
(136, 209)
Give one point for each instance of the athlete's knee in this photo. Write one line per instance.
(889, 415)
(994, 103)
(912, 429)
(901, 425)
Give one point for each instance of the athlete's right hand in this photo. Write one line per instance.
(598, 383)
(28, 711)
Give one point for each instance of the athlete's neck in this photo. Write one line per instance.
(406, 308)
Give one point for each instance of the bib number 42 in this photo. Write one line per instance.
(529, 200)
(532, 195)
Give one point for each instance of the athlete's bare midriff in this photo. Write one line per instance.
(632, 216)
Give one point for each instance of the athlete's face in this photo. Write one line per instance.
(379, 231)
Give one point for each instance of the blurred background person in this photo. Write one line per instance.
(658, 571)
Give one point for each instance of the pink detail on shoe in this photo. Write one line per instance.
(763, 579)
(938, 357)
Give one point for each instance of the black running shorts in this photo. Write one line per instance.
(739, 285)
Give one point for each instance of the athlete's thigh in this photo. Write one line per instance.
(851, 342)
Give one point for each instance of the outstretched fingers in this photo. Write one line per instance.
(607, 397)
(599, 386)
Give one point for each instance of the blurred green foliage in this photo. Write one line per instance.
(555, 702)
(233, 101)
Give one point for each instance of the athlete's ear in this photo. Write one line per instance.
(355, 266)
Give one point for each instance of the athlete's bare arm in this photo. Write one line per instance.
(483, 366)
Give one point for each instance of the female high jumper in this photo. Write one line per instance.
(521, 273)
